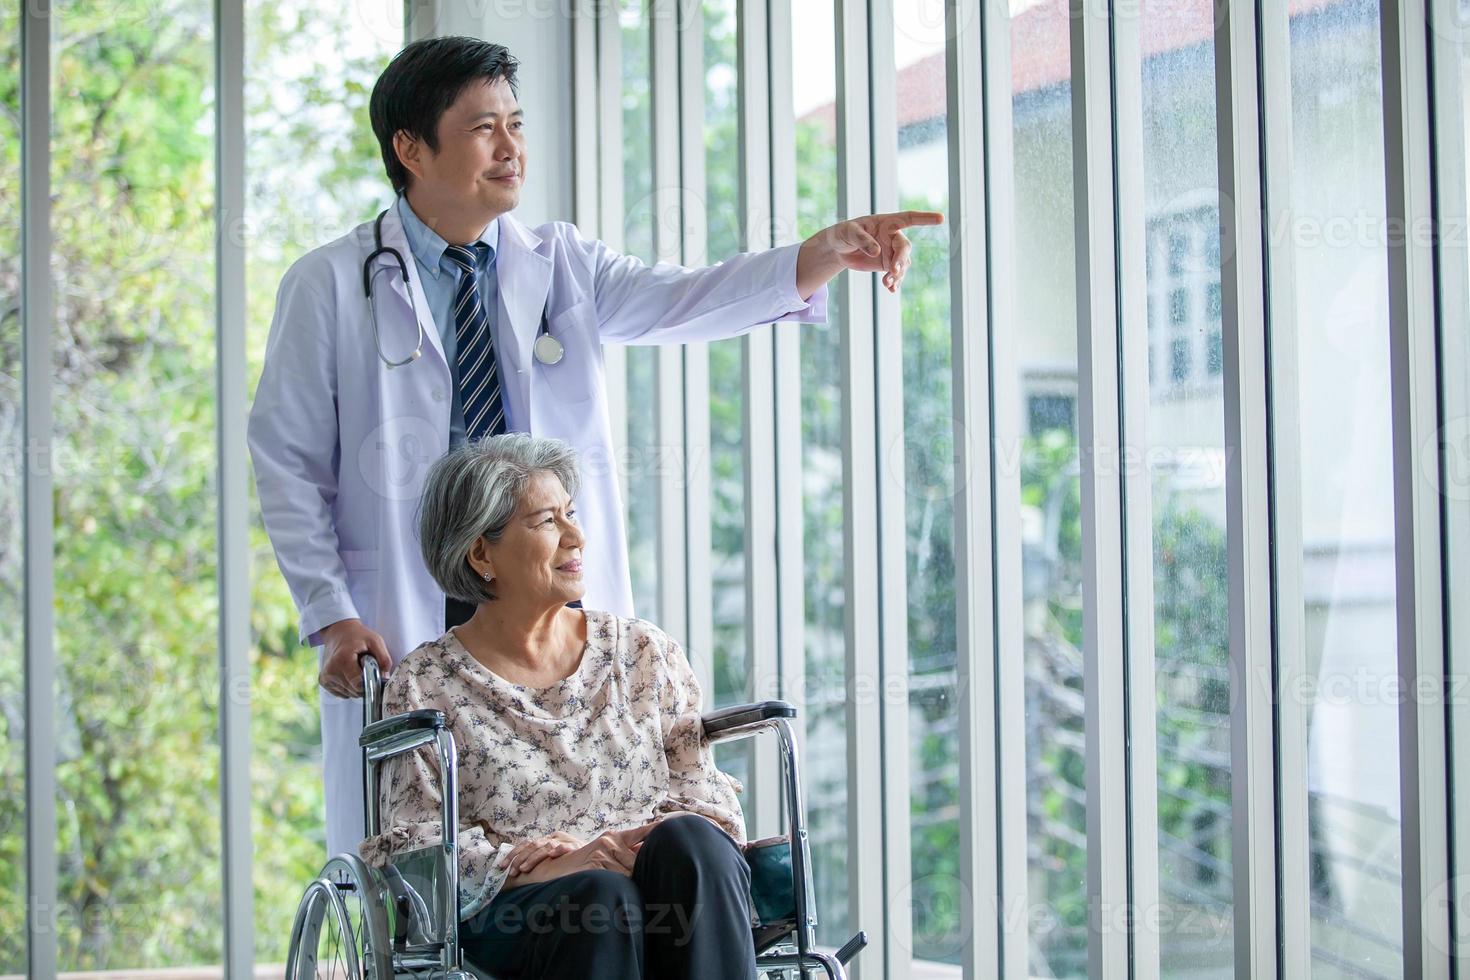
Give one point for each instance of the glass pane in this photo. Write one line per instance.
(1185, 447)
(1344, 441)
(138, 835)
(928, 420)
(642, 433)
(1456, 477)
(726, 374)
(314, 171)
(825, 752)
(12, 570)
(1046, 332)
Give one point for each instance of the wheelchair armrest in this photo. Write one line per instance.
(744, 719)
(425, 719)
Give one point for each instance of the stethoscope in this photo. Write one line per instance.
(548, 349)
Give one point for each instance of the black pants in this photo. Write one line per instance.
(683, 915)
(458, 613)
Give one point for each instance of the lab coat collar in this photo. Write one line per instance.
(524, 276)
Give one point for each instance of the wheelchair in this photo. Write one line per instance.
(401, 922)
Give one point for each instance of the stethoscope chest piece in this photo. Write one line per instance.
(548, 349)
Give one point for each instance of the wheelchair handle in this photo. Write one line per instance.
(372, 687)
(852, 947)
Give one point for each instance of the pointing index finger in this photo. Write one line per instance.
(914, 218)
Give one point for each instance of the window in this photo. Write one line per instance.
(814, 99)
(1047, 411)
(1457, 477)
(923, 184)
(1046, 342)
(1183, 257)
(1346, 520)
(641, 460)
(1185, 439)
(134, 437)
(726, 377)
(12, 571)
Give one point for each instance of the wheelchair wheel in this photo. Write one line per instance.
(341, 929)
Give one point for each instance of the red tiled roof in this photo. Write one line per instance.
(1041, 57)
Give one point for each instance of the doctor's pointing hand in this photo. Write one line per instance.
(872, 244)
(445, 319)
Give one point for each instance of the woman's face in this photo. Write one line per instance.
(538, 558)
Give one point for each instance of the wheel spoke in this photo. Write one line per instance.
(353, 903)
(332, 952)
(361, 927)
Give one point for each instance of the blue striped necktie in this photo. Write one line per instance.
(479, 379)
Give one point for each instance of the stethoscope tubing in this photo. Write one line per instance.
(547, 349)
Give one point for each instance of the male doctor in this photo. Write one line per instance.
(446, 319)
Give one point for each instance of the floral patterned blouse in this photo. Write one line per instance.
(610, 747)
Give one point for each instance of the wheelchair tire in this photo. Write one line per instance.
(345, 909)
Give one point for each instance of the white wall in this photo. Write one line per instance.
(538, 33)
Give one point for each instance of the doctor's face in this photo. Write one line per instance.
(538, 557)
(481, 162)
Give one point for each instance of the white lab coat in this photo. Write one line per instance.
(341, 443)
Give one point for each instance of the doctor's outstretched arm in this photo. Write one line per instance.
(670, 304)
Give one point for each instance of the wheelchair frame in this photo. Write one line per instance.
(391, 910)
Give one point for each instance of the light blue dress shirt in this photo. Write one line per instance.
(440, 278)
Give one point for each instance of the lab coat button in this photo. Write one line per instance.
(438, 394)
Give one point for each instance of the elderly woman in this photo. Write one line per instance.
(597, 838)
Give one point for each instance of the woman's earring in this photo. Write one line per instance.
(487, 576)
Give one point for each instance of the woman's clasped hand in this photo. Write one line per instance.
(561, 854)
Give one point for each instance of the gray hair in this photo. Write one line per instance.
(473, 492)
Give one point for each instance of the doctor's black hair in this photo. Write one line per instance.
(422, 81)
